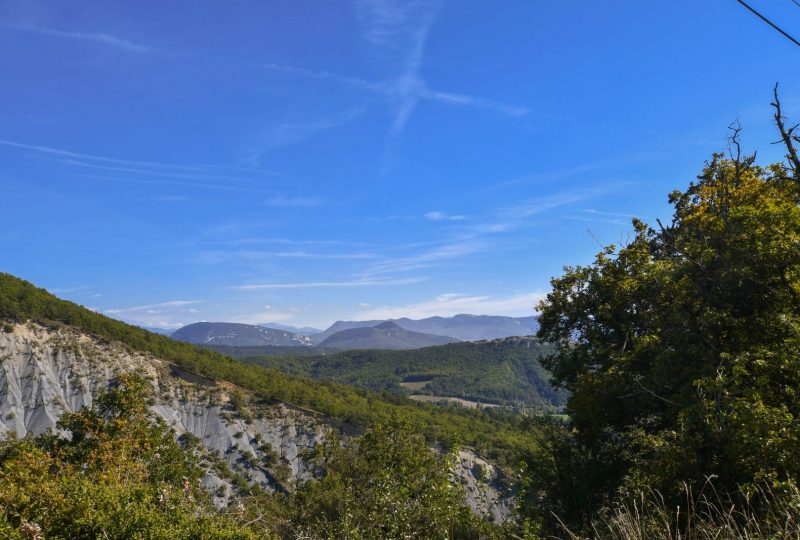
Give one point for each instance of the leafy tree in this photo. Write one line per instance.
(118, 473)
(385, 484)
(681, 349)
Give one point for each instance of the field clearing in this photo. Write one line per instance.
(463, 402)
(416, 385)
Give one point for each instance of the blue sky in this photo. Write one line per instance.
(303, 161)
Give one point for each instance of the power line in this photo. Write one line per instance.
(772, 24)
(795, 2)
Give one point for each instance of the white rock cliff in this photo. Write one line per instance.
(45, 372)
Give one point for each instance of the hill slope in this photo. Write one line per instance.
(503, 372)
(237, 335)
(387, 335)
(338, 326)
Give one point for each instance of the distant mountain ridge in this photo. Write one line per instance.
(386, 335)
(156, 330)
(303, 330)
(359, 334)
(462, 327)
(237, 335)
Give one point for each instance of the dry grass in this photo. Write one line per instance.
(764, 514)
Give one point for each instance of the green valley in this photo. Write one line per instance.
(501, 372)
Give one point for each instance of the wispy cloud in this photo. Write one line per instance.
(540, 205)
(266, 314)
(397, 32)
(68, 153)
(480, 234)
(356, 82)
(289, 133)
(171, 314)
(172, 198)
(597, 216)
(614, 214)
(95, 37)
(400, 28)
(308, 255)
(447, 305)
(438, 215)
(166, 182)
(581, 169)
(512, 217)
(550, 176)
(160, 168)
(169, 173)
(425, 259)
(395, 91)
(280, 241)
(291, 201)
(150, 172)
(329, 284)
(152, 308)
(449, 98)
(69, 290)
(249, 257)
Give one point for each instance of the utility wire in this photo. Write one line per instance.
(795, 2)
(772, 24)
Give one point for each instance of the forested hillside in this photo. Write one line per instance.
(503, 372)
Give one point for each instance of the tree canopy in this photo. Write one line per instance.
(119, 473)
(681, 348)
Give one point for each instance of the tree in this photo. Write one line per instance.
(386, 484)
(118, 474)
(682, 348)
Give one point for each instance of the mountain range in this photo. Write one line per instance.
(401, 333)
(386, 335)
(304, 330)
(236, 334)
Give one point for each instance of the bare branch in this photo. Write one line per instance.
(787, 135)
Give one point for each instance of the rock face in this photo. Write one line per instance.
(239, 438)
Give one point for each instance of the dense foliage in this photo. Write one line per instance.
(505, 371)
(386, 484)
(682, 348)
(118, 474)
(117, 471)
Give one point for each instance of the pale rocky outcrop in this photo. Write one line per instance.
(45, 372)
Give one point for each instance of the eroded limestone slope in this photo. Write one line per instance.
(45, 372)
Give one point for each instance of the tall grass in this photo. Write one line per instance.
(764, 513)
